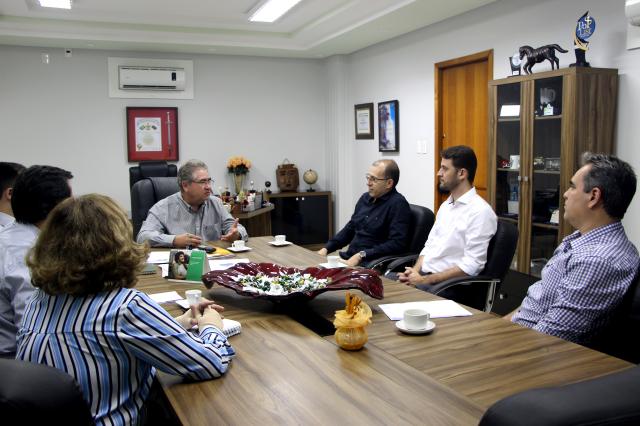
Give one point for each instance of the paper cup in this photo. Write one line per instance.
(193, 296)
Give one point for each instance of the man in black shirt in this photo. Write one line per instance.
(380, 224)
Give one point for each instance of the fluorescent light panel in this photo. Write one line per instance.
(59, 4)
(272, 10)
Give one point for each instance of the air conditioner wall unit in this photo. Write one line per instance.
(151, 78)
(632, 10)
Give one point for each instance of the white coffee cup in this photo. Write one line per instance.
(238, 244)
(281, 238)
(416, 319)
(333, 261)
(193, 296)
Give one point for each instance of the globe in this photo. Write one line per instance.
(310, 177)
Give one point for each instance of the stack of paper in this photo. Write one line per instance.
(436, 309)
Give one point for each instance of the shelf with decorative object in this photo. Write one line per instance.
(562, 113)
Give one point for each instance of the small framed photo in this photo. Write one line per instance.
(364, 121)
(152, 133)
(389, 126)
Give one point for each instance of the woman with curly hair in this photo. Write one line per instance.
(86, 318)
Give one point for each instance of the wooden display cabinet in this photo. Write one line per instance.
(539, 126)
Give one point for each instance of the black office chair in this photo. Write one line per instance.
(145, 193)
(147, 169)
(478, 291)
(39, 394)
(421, 223)
(610, 400)
(619, 337)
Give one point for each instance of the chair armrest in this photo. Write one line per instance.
(401, 262)
(451, 282)
(380, 263)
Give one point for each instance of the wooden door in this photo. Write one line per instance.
(462, 112)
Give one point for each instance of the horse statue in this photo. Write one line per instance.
(540, 54)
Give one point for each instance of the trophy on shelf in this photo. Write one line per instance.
(515, 62)
(585, 28)
(547, 97)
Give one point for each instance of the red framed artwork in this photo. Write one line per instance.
(152, 133)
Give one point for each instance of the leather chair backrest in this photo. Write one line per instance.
(609, 400)
(422, 220)
(145, 193)
(501, 249)
(39, 394)
(147, 169)
(620, 336)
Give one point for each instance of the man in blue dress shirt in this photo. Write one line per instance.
(380, 223)
(36, 192)
(592, 269)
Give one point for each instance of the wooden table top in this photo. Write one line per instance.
(287, 373)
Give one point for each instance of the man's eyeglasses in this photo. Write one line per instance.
(371, 178)
(208, 181)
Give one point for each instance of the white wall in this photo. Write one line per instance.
(402, 69)
(60, 114)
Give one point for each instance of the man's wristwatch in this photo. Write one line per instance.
(362, 254)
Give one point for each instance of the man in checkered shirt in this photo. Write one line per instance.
(591, 270)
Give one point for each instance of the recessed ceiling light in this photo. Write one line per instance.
(59, 4)
(272, 10)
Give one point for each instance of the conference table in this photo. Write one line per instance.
(289, 370)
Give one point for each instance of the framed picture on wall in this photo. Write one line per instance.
(364, 121)
(389, 126)
(152, 133)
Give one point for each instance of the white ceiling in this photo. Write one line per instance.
(312, 29)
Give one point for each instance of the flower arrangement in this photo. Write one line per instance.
(238, 165)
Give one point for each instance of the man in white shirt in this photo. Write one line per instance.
(8, 174)
(458, 242)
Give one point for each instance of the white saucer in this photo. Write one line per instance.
(239, 250)
(430, 326)
(329, 266)
(280, 243)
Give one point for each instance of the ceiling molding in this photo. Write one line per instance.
(315, 28)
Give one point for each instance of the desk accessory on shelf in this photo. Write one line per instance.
(541, 54)
(585, 28)
(310, 177)
(287, 176)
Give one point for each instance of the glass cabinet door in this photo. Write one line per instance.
(545, 177)
(508, 161)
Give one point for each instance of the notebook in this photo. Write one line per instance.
(231, 327)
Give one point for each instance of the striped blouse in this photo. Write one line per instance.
(112, 342)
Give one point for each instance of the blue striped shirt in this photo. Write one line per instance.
(581, 285)
(112, 342)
